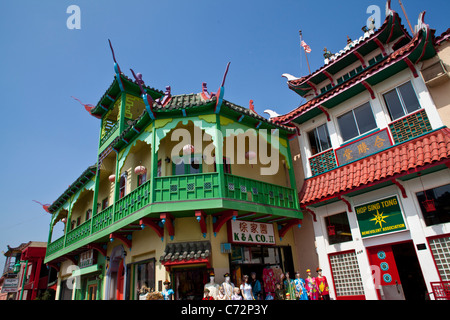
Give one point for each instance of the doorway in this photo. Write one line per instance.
(409, 270)
(120, 278)
(92, 292)
(188, 283)
(397, 272)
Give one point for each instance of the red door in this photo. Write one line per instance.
(385, 273)
(120, 278)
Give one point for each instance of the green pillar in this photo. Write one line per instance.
(219, 156)
(154, 162)
(292, 174)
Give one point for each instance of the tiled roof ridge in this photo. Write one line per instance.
(392, 57)
(399, 159)
(345, 52)
(443, 37)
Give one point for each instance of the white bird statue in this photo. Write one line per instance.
(289, 77)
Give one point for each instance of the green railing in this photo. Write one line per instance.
(240, 188)
(133, 201)
(55, 246)
(187, 187)
(103, 219)
(179, 188)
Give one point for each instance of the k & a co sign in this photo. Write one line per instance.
(250, 232)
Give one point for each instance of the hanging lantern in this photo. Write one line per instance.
(64, 220)
(188, 149)
(140, 170)
(429, 205)
(250, 155)
(112, 178)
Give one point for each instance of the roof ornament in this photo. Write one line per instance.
(252, 107)
(167, 96)
(88, 108)
(389, 11)
(221, 91)
(45, 206)
(205, 94)
(289, 77)
(148, 100)
(116, 67)
(421, 25)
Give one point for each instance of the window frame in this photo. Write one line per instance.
(188, 166)
(402, 102)
(316, 135)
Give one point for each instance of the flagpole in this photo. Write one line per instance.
(306, 54)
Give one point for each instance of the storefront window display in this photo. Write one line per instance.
(264, 262)
(188, 283)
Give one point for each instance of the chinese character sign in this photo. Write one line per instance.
(363, 147)
(252, 232)
(380, 217)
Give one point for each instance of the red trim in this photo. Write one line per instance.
(225, 216)
(380, 45)
(312, 86)
(310, 212)
(401, 187)
(120, 237)
(176, 263)
(168, 222)
(328, 76)
(349, 207)
(411, 66)
(369, 88)
(202, 221)
(324, 110)
(98, 247)
(288, 226)
(358, 55)
(54, 266)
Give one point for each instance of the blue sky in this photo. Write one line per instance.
(48, 139)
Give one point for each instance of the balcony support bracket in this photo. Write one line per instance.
(167, 220)
(122, 238)
(288, 226)
(200, 215)
(224, 217)
(148, 222)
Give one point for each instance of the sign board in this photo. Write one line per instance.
(249, 232)
(380, 217)
(10, 285)
(363, 147)
(86, 259)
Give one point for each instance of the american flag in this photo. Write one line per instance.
(306, 47)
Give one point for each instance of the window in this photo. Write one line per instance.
(437, 208)
(319, 139)
(401, 101)
(122, 185)
(338, 228)
(142, 178)
(186, 165)
(356, 122)
(440, 247)
(88, 214)
(346, 274)
(105, 203)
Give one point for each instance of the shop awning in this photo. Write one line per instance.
(87, 270)
(186, 253)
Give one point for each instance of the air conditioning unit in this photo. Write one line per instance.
(435, 74)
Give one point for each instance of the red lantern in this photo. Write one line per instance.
(188, 149)
(140, 170)
(331, 230)
(429, 205)
(112, 178)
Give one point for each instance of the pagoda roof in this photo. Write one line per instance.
(420, 47)
(77, 185)
(407, 158)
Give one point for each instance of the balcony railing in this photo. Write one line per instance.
(240, 188)
(179, 188)
(187, 187)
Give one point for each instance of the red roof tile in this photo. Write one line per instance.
(386, 165)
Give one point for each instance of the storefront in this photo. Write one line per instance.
(254, 248)
(389, 244)
(89, 275)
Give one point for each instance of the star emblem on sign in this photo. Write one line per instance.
(379, 218)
